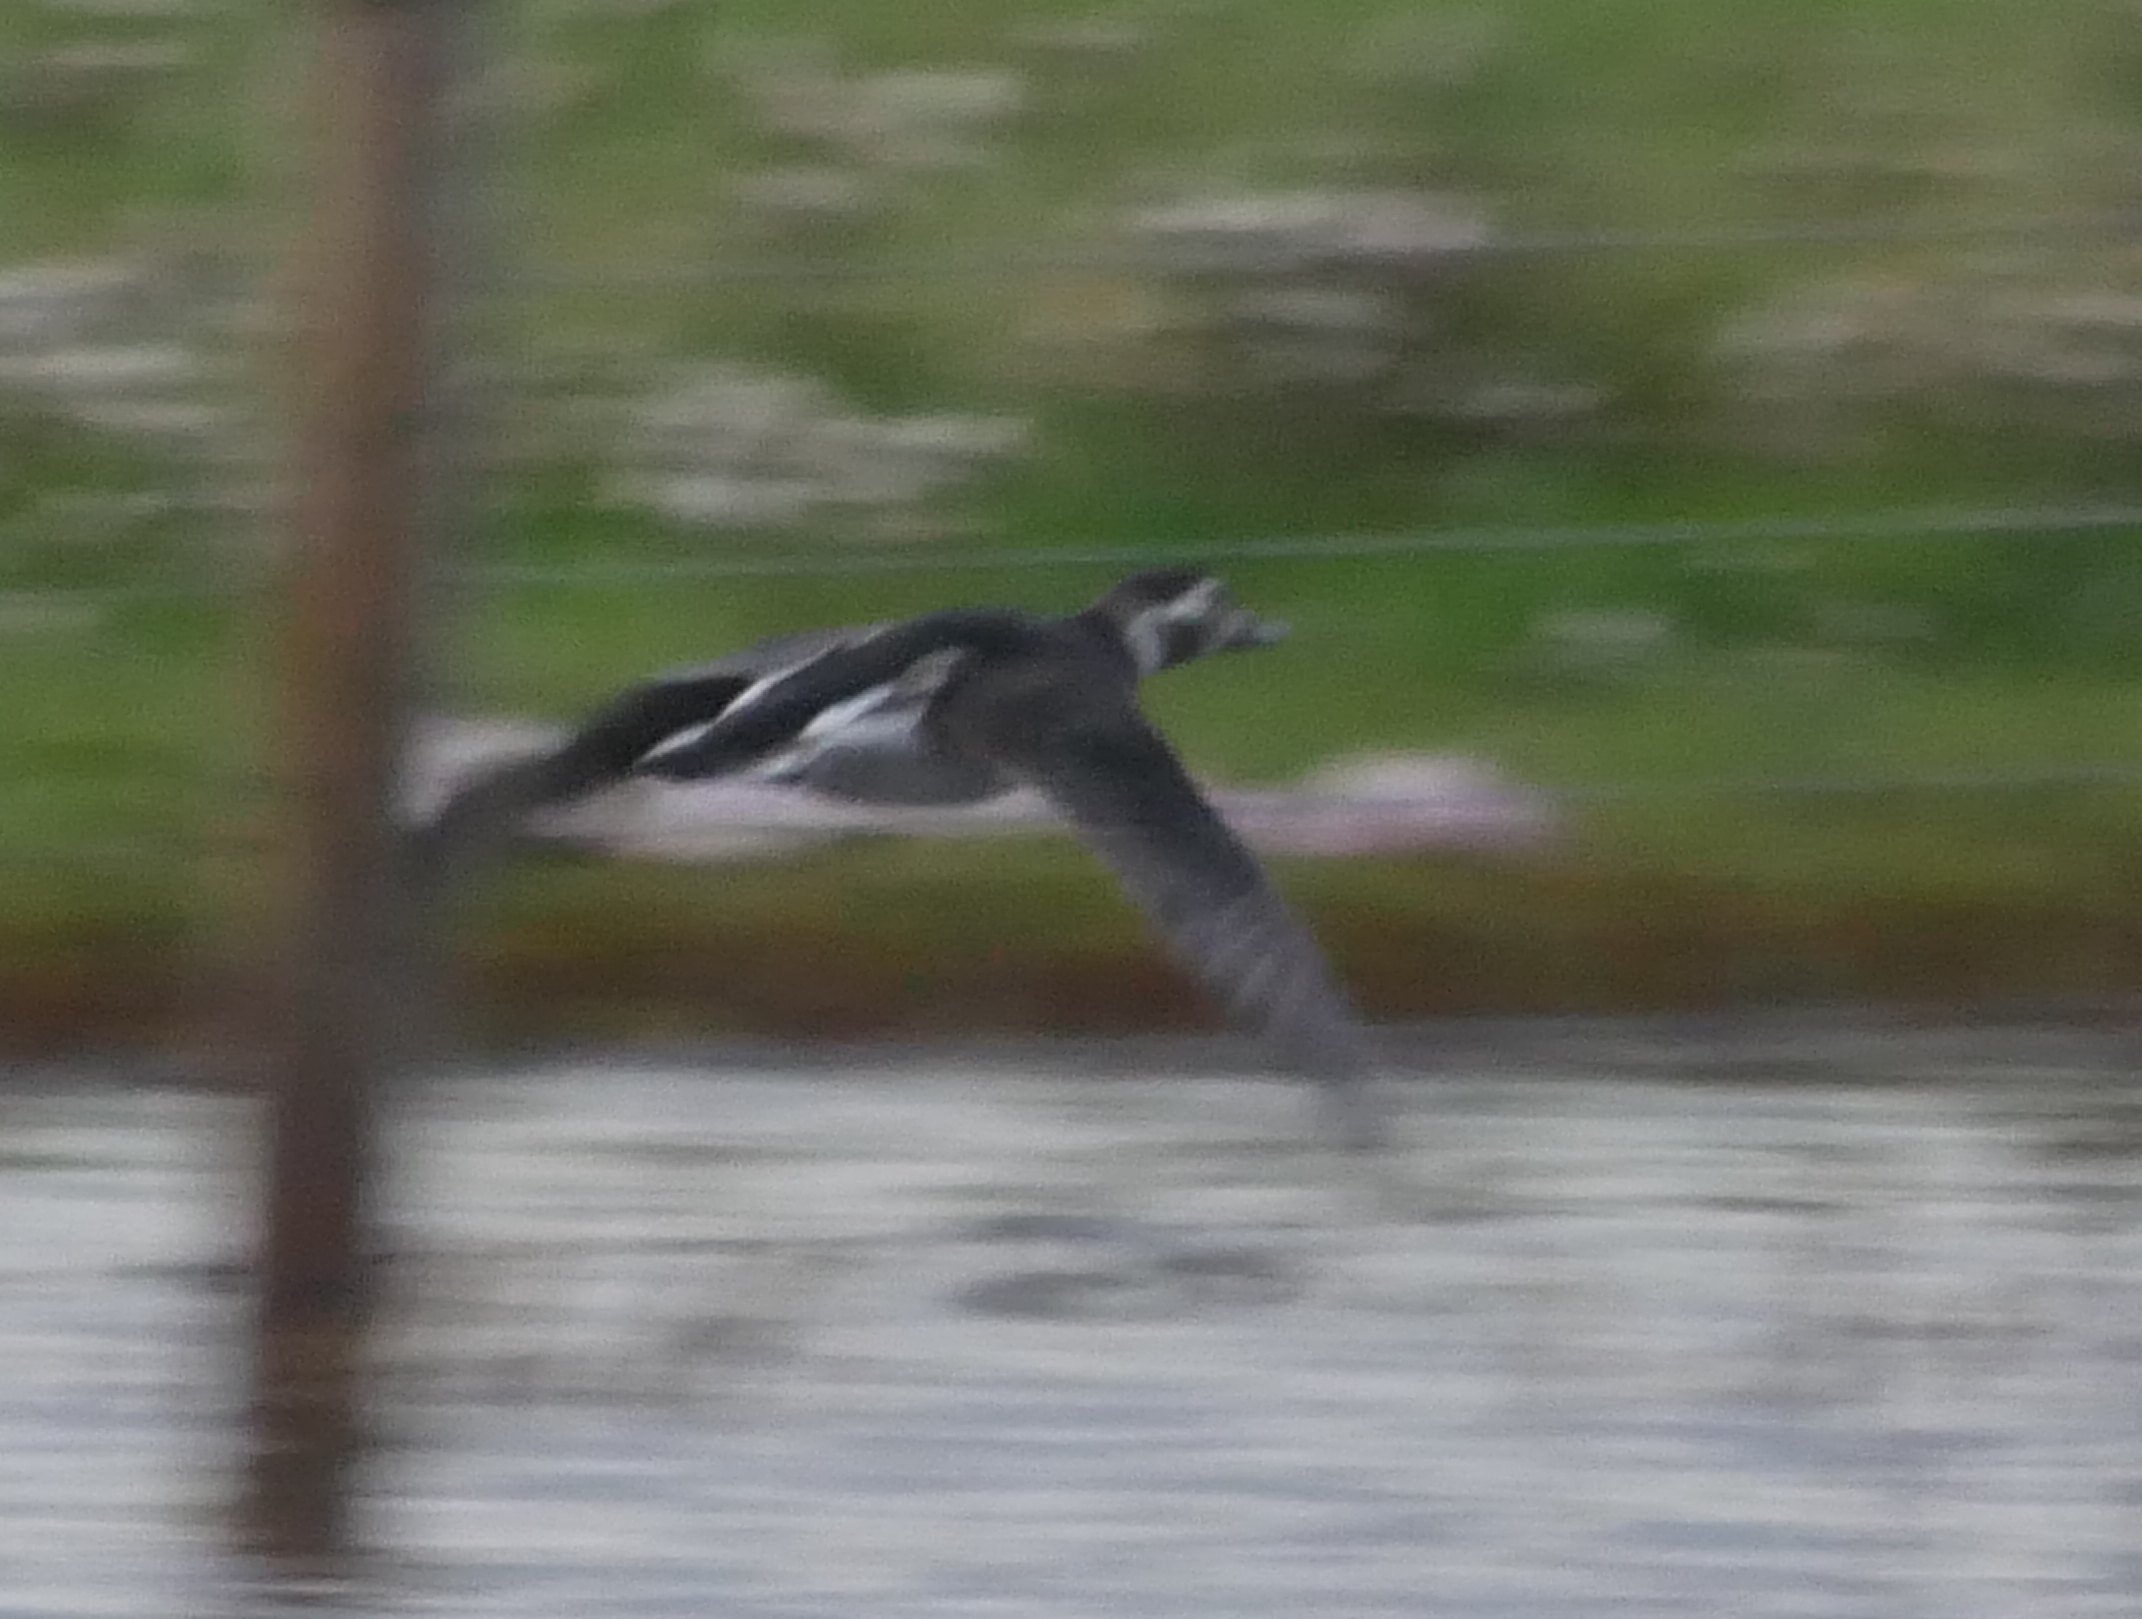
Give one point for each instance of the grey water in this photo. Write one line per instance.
(1634, 1328)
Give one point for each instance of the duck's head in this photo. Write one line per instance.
(1168, 616)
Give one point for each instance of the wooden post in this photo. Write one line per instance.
(366, 353)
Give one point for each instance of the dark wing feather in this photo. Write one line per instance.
(482, 813)
(797, 676)
(777, 710)
(1131, 802)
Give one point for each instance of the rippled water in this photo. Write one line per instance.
(1853, 1334)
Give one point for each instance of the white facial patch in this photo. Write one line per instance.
(1146, 632)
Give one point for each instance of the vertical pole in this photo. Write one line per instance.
(366, 341)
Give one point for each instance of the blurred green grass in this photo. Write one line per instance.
(128, 749)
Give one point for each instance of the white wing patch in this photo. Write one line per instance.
(844, 720)
(839, 717)
(682, 739)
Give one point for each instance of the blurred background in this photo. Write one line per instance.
(1696, 445)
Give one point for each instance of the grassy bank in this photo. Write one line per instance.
(130, 761)
(1917, 897)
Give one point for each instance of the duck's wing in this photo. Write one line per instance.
(725, 714)
(778, 706)
(1133, 804)
(484, 811)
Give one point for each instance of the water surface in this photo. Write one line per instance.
(1854, 1333)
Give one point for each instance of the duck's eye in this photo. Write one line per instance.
(1181, 642)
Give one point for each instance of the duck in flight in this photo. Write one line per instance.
(958, 707)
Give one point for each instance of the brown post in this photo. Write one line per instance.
(365, 350)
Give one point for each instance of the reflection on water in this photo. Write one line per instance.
(960, 1340)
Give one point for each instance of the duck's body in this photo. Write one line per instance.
(958, 707)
